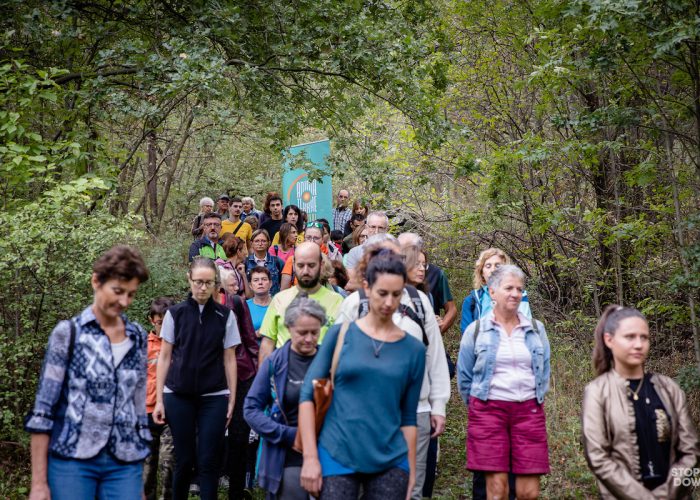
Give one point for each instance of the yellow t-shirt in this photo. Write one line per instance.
(276, 239)
(273, 323)
(245, 232)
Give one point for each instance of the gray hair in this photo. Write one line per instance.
(248, 199)
(380, 214)
(206, 201)
(380, 238)
(225, 275)
(410, 239)
(503, 271)
(302, 305)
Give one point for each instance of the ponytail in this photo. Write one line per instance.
(609, 322)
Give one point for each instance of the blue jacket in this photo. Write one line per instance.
(273, 264)
(476, 361)
(471, 308)
(265, 415)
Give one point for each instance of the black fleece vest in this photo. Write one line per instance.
(197, 362)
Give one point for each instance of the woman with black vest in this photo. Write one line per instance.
(196, 379)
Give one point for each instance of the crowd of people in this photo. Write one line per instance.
(225, 391)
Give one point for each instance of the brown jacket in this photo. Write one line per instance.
(610, 441)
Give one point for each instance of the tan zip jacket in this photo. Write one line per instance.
(610, 440)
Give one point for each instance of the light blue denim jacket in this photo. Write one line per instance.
(476, 363)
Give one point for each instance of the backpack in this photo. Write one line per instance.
(415, 313)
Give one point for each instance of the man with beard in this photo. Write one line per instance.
(208, 245)
(307, 268)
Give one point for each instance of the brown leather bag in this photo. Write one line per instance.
(323, 390)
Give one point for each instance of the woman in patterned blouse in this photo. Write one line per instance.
(89, 428)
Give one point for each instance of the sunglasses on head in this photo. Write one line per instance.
(315, 224)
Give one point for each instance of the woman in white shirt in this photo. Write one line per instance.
(503, 374)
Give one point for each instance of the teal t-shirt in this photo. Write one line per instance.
(257, 313)
(374, 396)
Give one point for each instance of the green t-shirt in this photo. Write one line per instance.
(273, 324)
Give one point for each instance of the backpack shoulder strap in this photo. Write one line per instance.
(417, 302)
(363, 305)
(416, 313)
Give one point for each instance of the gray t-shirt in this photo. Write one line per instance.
(352, 259)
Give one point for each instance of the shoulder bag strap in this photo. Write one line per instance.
(476, 330)
(363, 305)
(237, 228)
(338, 347)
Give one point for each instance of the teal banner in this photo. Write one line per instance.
(314, 197)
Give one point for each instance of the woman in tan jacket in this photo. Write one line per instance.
(638, 436)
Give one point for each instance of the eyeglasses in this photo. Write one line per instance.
(212, 224)
(202, 283)
(315, 224)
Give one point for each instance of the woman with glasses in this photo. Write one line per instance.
(261, 257)
(196, 379)
(416, 265)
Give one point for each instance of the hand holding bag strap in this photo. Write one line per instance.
(338, 347)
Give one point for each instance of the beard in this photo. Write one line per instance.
(310, 281)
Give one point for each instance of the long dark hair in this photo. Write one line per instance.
(300, 223)
(609, 322)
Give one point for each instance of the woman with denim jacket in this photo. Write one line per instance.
(503, 374)
(638, 435)
(271, 407)
(260, 257)
(478, 303)
(89, 426)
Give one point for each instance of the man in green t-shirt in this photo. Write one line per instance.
(307, 268)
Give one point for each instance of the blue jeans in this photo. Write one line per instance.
(198, 425)
(102, 477)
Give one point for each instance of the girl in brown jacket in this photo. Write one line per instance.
(638, 436)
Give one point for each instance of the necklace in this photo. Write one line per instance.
(377, 349)
(635, 394)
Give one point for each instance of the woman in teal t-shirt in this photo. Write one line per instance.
(368, 438)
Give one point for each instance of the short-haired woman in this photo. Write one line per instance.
(503, 374)
(260, 284)
(271, 407)
(88, 424)
(196, 379)
(478, 303)
(368, 439)
(260, 242)
(638, 434)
